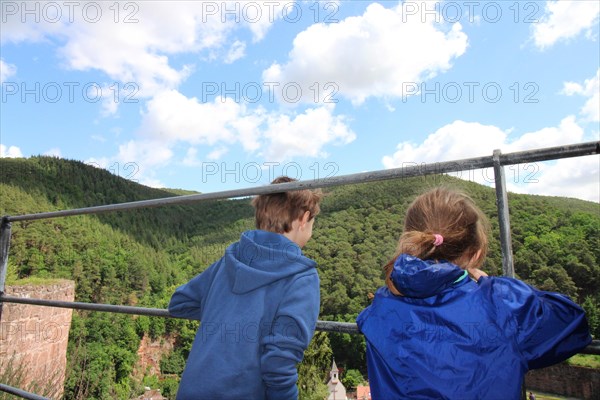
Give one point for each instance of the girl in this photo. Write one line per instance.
(433, 333)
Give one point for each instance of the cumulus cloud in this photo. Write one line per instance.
(53, 152)
(137, 160)
(374, 54)
(569, 177)
(590, 89)
(99, 162)
(217, 153)
(144, 153)
(10, 152)
(457, 140)
(133, 42)
(6, 70)
(460, 139)
(171, 117)
(565, 19)
(236, 51)
(306, 134)
(190, 158)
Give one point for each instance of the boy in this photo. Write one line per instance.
(258, 306)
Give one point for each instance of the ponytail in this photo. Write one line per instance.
(442, 225)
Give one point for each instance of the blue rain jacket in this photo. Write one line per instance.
(258, 307)
(450, 337)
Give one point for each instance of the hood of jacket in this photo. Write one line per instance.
(418, 278)
(261, 258)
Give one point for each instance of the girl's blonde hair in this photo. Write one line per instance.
(454, 216)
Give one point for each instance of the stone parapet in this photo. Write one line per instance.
(566, 380)
(34, 339)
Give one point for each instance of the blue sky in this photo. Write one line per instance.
(215, 95)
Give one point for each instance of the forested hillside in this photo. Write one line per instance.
(139, 257)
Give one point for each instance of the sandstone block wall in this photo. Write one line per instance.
(33, 339)
(150, 353)
(566, 380)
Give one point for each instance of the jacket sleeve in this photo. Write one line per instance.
(187, 301)
(291, 332)
(548, 327)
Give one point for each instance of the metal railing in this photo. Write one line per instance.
(497, 161)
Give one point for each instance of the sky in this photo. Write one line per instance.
(217, 95)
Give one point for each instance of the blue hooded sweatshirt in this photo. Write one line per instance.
(258, 307)
(450, 337)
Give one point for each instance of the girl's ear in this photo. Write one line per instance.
(472, 262)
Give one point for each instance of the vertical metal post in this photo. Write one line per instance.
(4, 247)
(508, 268)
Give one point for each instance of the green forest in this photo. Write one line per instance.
(139, 257)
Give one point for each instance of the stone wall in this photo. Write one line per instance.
(150, 353)
(33, 339)
(566, 380)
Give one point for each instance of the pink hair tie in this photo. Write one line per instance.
(439, 239)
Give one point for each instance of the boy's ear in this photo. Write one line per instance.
(305, 217)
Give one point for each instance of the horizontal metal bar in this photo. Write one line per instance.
(551, 153)
(325, 326)
(558, 152)
(152, 312)
(21, 393)
(338, 327)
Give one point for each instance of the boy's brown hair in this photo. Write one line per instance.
(275, 212)
(455, 217)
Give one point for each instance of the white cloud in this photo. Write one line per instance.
(570, 177)
(137, 161)
(102, 162)
(565, 19)
(98, 138)
(132, 42)
(236, 51)
(19, 25)
(53, 152)
(150, 181)
(248, 129)
(451, 142)
(590, 89)
(217, 153)
(458, 140)
(171, 117)
(306, 134)
(6, 70)
(144, 153)
(567, 132)
(10, 152)
(260, 15)
(190, 158)
(374, 54)
(462, 139)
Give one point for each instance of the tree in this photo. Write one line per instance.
(554, 279)
(312, 369)
(592, 312)
(352, 378)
